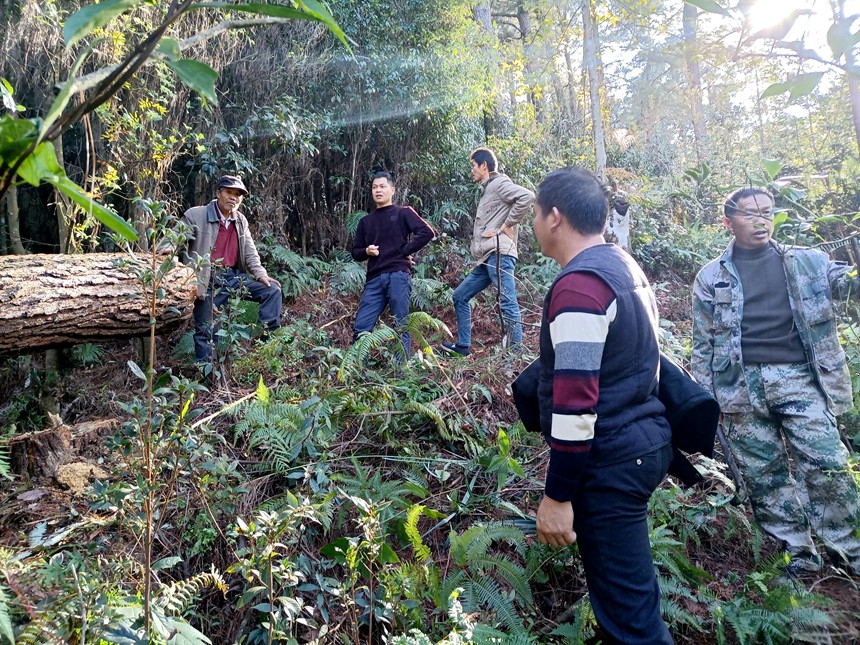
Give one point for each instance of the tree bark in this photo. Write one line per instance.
(39, 454)
(694, 79)
(60, 300)
(12, 219)
(591, 54)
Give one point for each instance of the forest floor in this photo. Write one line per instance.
(91, 394)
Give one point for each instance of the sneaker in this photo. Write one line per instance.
(452, 349)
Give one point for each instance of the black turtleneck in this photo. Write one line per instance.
(768, 333)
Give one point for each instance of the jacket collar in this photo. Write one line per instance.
(493, 175)
(213, 216)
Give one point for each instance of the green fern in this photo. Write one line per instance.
(355, 358)
(482, 574)
(5, 463)
(422, 551)
(428, 293)
(174, 598)
(348, 277)
(5, 618)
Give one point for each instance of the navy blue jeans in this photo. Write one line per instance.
(388, 289)
(481, 277)
(223, 283)
(611, 524)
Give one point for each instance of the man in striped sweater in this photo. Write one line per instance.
(609, 439)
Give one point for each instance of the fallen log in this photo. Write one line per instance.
(49, 301)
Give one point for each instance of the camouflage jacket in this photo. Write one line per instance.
(813, 281)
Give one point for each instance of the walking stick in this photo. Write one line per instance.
(499, 290)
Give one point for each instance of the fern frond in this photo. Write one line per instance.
(512, 574)
(175, 597)
(419, 324)
(5, 618)
(487, 592)
(422, 551)
(428, 293)
(348, 277)
(355, 358)
(431, 412)
(5, 463)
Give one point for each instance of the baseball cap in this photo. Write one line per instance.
(231, 181)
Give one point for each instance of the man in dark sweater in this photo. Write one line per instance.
(387, 237)
(765, 343)
(610, 443)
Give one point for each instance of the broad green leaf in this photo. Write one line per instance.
(710, 6)
(800, 85)
(65, 94)
(86, 19)
(840, 39)
(804, 84)
(41, 165)
(504, 442)
(170, 48)
(8, 95)
(262, 391)
(196, 75)
(16, 135)
(184, 634)
(771, 167)
(775, 90)
(308, 10)
(387, 554)
(167, 563)
(107, 217)
(135, 369)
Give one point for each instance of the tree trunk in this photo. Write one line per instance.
(12, 219)
(844, 25)
(590, 49)
(525, 25)
(60, 300)
(482, 15)
(694, 80)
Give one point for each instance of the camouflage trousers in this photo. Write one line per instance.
(790, 418)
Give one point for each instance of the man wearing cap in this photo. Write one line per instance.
(765, 343)
(231, 263)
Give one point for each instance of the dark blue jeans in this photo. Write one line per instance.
(223, 283)
(611, 524)
(481, 277)
(388, 289)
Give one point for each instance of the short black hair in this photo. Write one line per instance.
(579, 196)
(731, 205)
(484, 155)
(383, 174)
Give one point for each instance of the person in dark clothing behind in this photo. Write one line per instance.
(387, 237)
(610, 443)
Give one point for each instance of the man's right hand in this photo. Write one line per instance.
(555, 523)
(372, 250)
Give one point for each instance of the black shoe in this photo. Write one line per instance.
(452, 349)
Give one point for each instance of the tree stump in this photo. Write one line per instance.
(39, 454)
(51, 301)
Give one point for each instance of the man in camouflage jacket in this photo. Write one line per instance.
(765, 343)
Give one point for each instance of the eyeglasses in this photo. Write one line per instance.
(749, 215)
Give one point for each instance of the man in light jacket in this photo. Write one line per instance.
(502, 207)
(230, 262)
